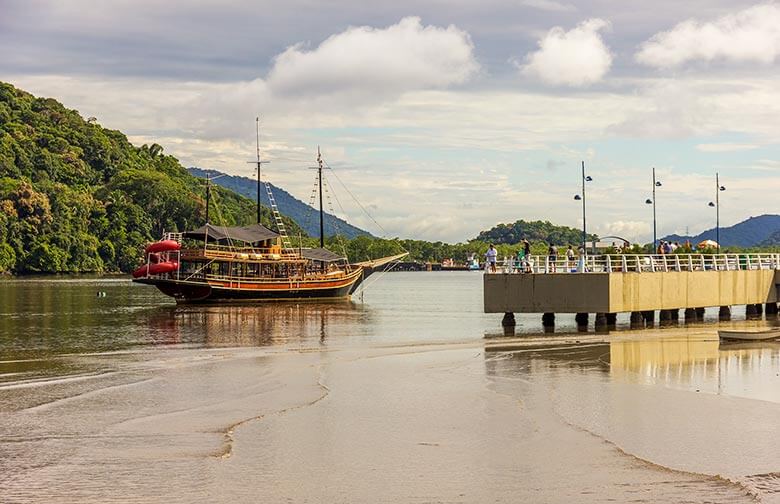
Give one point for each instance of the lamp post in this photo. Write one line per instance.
(656, 183)
(718, 189)
(577, 197)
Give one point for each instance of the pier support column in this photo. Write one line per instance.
(581, 319)
(601, 322)
(649, 317)
(508, 320)
(760, 309)
(751, 312)
(771, 310)
(548, 320)
(675, 315)
(611, 319)
(724, 313)
(665, 317)
(700, 314)
(690, 315)
(637, 320)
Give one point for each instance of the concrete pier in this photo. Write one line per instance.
(611, 319)
(771, 310)
(724, 313)
(548, 320)
(614, 290)
(508, 320)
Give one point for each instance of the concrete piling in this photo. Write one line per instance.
(751, 312)
(581, 319)
(649, 317)
(724, 313)
(771, 310)
(690, 315)
(611, 319)
(548, 320)
(508, 320)
(700, 314)
(637, 320)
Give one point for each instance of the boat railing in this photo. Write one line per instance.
(638, 263)
(239, 254)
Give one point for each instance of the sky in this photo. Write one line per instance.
(442, 118)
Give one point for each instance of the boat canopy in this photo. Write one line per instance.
(321, 254)
(253, 233)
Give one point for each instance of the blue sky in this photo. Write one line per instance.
(444, 118)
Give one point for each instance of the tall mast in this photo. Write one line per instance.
(319, 178)
(257, 129)
(208, 195)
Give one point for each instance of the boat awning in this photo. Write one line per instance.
(248, 234)
(321, 254)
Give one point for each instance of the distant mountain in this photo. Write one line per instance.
(304, 215)
(533, 231)
(755, 231)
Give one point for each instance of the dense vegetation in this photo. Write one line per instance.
(303, 214)
(75, 196)
(533, 231)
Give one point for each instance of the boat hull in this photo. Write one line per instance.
(763, 335)
(215, 292)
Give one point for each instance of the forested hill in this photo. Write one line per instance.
(763, 230)
(533, 231)
(306, 216)
(75, 196)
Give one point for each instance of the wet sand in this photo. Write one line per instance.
(439, 423)
(631, 416)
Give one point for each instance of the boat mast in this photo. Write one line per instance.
(257, 129)
(319, 178)
(208, 195)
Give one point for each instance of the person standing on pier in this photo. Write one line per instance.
(490, 256)
(527, 255)
(552, 254)
(569, 258)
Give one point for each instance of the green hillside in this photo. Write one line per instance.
(77, 197)
(533, 231)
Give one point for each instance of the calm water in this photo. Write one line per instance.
(411, 394)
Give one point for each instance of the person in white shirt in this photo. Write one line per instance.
(490, 256)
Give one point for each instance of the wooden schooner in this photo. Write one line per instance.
(250, 263)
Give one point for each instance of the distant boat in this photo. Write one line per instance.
(747, 335)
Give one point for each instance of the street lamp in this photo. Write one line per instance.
(718, 189)
(656, 183)
(577, 197)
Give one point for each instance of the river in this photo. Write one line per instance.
(109, 393)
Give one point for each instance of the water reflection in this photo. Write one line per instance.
(740, 369)
(696, 362)
(253, 324)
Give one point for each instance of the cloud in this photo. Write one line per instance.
(548, 5)
(365, 60)
(748, 35)
(724, 147)
(578, 57)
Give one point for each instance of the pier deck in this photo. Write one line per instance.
(632, 283)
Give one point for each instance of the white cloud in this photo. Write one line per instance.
(548, 5)
(575, 58)
(365, 60)
(752, 34)
(724, 147)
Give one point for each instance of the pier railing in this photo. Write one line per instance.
(638, 263)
